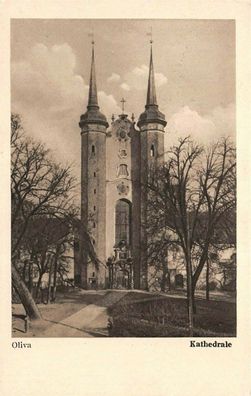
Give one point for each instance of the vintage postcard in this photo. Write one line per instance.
(122, 204)
(123, 178)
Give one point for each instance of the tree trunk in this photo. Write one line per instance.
(55, 274)
(50, 279)
(24, 271)
(200, 267)
(164, 279)
(207, 281)
(190, 289)
(190, 298)
(38, 284)
(24, 295)
(30, 276)
(42, 270)
(163, 283)
(202, 262)
(194, 304)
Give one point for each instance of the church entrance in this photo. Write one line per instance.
(121, 267)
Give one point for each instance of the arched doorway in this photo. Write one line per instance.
(120, 267)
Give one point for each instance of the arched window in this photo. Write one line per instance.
(123, 221)
(152, 151)
(122, 171)
(93, 149)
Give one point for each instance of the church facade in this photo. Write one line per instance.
(115, 161)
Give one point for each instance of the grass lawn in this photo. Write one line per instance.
(167, 317)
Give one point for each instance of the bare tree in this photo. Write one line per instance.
(44, 239)
(39, 187)
(192, 191)
(217, 183)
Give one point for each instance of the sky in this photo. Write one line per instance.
(194, 63)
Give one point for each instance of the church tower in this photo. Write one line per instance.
(93, 125)
(151, 124)
(115, 164)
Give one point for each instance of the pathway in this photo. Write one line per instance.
(90, 321)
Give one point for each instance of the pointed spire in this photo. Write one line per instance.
(93, 97)
(93, 115)
(151, 91)
(151, 113)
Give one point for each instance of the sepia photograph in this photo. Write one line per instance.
(123, 178)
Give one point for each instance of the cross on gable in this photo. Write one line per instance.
(123, 101)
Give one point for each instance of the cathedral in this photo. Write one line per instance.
(115, 161)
